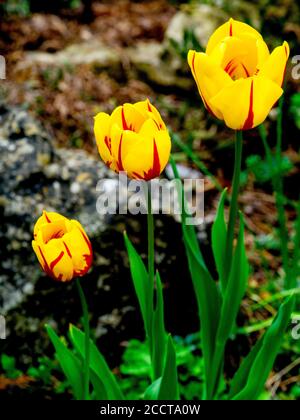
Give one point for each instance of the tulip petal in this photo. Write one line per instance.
(247, 102)
(122, 141)
(127, 117)
(274, 67)
(56, 260)
(230, 28)
(263, 52)
(149, 155)
(53, 230)
(150, 111)
(45, 218)
(239, 56)
(210, 78)
(101, 129)
(38, 253)
(78, 248)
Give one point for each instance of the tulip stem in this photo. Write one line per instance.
(233, 202)
(151, 262)
(86, 326)
(150, 223)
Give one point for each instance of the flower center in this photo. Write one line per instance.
(53, 230)
(237, 68)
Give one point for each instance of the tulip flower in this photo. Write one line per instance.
(133, 139)
(61, 246)
(238, 79)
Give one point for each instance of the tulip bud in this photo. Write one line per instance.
(133, 139)
(238, 79)
(61, 246)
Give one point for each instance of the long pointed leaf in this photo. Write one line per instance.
(168, 389)
(234, 293)
(99, 388)
(218, 236)
(152, 391)
(97, 364)
(70, 364)
(158, 331)
(142, 286)
(257, 368)
(235, 289)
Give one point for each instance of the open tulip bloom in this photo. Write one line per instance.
(238, 79)
(239, 82)
(133, 139)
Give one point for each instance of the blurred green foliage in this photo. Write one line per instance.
(25, 7)
(46, 371)
(16, 7)
(295, 109)
(189, 42)
(262, 171)
(8, 365)
(136, 365)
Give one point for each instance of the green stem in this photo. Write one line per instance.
(86, 326)
(279, 196)
(150, 223)
(151, 268)
(233, 203)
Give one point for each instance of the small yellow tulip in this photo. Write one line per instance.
(238, 79)
(62, 247)
(133, 139)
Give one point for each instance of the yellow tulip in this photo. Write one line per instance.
(238, 79)
(61, 246)
(133, 139)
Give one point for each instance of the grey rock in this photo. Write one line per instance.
(35, 176)
(89, 52)
(204, 19)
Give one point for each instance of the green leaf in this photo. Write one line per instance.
(166, 386)
(206, 290)
(142, 286)
(234, 293)
(99, 388)
(253, 373)
(70, 364)
(152, 391)
(208, 299)
(219, 232)
(235, 290)
(240, 378)
(168, 389)
(97, 364)
(158, 331)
